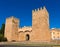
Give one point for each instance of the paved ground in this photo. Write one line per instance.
(22, 46)
(26, 44)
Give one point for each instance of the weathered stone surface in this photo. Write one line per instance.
(40, 25)
(39, 32)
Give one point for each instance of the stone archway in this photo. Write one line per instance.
(27, 37)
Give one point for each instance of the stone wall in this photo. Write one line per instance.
(11, 28)
(40, 25)
(23, 32)
(39, 32)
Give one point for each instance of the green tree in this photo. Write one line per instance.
(2, 38)
(2, 29)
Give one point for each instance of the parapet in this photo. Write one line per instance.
(39, 9)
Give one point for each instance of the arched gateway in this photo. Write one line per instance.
(27, 37)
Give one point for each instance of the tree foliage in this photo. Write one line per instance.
(2, 29)
(2, 38)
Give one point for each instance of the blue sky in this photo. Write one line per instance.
(22, 9)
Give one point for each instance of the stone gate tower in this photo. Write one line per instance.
(11, 29)
(40, 25)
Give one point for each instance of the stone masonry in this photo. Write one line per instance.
(38, 32)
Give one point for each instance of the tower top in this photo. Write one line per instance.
(42, 8)
(12, 17)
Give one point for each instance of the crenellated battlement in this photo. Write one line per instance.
(39, 9)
